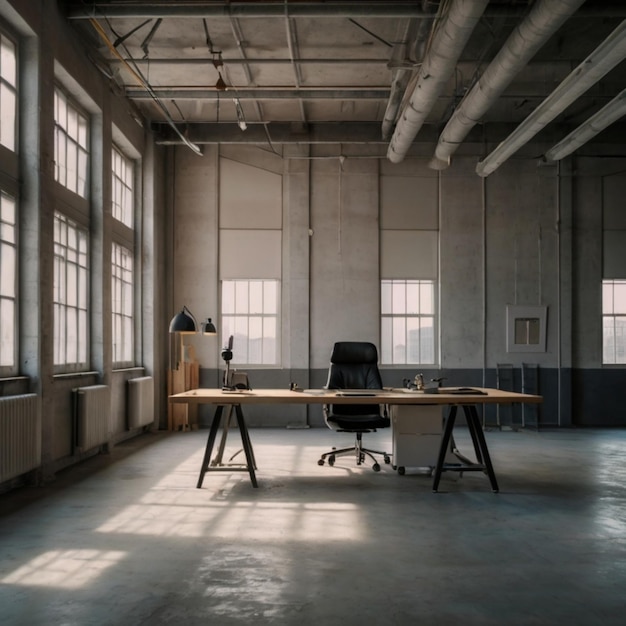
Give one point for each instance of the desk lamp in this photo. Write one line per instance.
(184, 322)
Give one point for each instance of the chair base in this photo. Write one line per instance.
(360, 453)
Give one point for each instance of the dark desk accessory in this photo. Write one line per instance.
(466, 391)
(227, 355)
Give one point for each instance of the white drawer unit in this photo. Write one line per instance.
(416, 433)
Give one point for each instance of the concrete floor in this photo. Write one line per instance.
(126, 538)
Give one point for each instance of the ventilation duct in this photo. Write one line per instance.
(604, 58)
(545, 18)
(608, 114)
(438, 66)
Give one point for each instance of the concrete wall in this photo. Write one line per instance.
(528, 235)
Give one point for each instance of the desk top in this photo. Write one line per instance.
(445, 395)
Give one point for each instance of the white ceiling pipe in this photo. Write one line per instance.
(608, 114)
(604, 58)
(544, 19)
(437, 67)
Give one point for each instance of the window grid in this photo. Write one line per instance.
(122, 305)
(123, 188)
(250, 315)
(70, 294)
(8, 92)
(613, 322)
(8, 284)
(70, 145)
(408, 322)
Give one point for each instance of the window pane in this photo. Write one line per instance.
(7, 332)
(241, 296)
(620, 297)
(412, 298)
(8, 61)
(385, 297)
(256, 297)
(8, 102)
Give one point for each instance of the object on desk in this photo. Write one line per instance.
(465, 391)
(227, 355)
(294, 387)
(354, 368)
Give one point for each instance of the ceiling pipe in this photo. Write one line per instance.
(608, 114)
(439, 63)
(405, 68)
(544, 19)
(604, 58)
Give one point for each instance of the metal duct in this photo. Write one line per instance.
(545, 18)
(403, 76)
(603, 59)
(608, 114)
(440, 61)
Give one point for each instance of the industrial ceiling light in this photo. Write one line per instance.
(608, 114)
(220, 85)
(241, 120)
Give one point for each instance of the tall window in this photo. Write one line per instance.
(123, 184)
(408, 322)
(122, 304)
(250, 314)
(71, 145)
(8, 284)
(613, 321)
(71, 294)
(122, 255)
(8, 92)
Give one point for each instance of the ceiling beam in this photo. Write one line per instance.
(365, 8)
(260, 93)
(84, 9)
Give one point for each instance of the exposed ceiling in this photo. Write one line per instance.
(386, 72)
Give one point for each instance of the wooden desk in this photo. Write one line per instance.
(449, 396)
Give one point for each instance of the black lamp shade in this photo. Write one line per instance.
(183, 322)
(208, 327)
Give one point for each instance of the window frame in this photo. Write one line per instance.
(63, 129)
(60, 302)
(233, 321)
(13, 88)
(9, 340)
(387, 351)
(123, 196)
(609, 284)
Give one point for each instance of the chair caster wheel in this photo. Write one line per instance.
(387, 459)
(376, 467)
(401, 471)
(331, 460)
(320, 462)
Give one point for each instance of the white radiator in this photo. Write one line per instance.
(20, 435)
(92, 410)
(140, 405)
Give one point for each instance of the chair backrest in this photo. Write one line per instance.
(354, 365)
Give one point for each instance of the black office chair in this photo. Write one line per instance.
(354, 366)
